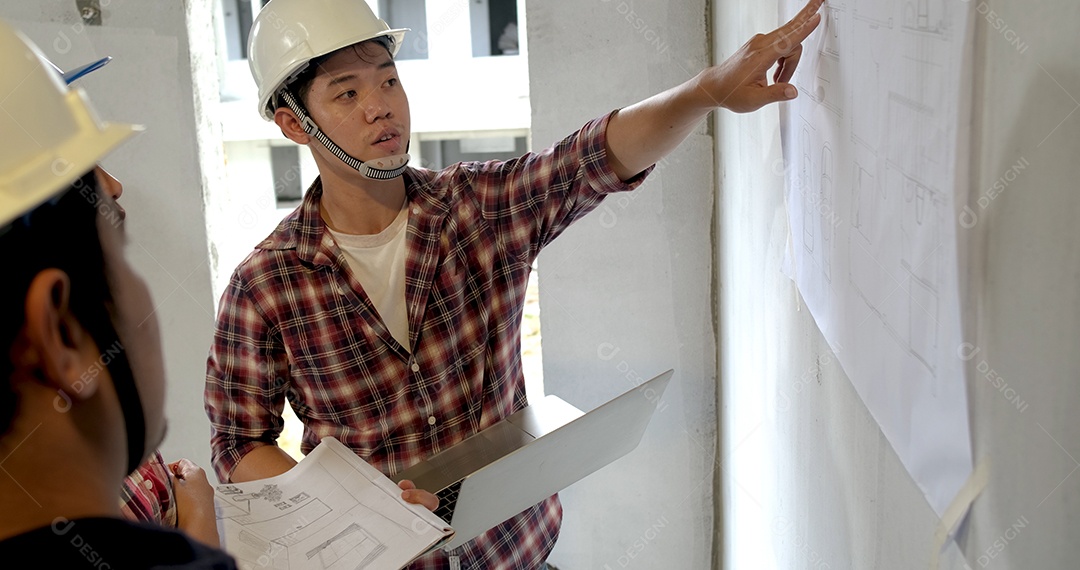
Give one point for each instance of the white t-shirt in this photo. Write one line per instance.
(378, 263)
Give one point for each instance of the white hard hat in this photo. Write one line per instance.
(287, 34)
(49, 135)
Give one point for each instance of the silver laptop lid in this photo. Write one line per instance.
(452, 465)
(554, 461)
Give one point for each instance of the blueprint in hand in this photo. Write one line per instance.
(331, 511)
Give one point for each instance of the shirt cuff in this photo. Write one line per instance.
(598, 172)
(227, 459)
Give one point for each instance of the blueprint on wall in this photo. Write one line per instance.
(873, 152)
(331, 511)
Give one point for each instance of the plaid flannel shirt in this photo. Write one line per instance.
(294, 323)
(147, 494)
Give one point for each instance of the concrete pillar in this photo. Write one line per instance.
(164, 170)
(626, 293)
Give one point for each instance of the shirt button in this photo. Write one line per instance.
(416, 209)
(431, 420)
(415, 367)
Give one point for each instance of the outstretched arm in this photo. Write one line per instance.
(641, 134)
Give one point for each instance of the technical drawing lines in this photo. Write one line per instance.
(352, 543)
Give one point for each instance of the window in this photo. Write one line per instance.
(285, 166)
(410, 14)
(239, 15)
(494, 27)
(437, 154)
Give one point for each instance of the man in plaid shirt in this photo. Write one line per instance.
(387, 308)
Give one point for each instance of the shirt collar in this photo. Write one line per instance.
(305, 231)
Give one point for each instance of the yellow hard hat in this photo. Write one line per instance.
(49, 134)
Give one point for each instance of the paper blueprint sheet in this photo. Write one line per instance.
(875, 155)
(332, 511)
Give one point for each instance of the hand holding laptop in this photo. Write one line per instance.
(418, 496)
(531, 455)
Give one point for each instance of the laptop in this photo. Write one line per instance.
(531, 455)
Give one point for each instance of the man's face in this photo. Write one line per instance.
(133, 312)
(357, 100)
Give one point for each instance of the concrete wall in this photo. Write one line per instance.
(809, 480)
(1024, 290)
(150, 82)
(626, 292)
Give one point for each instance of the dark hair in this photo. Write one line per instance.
(301, 85)
(63, 234)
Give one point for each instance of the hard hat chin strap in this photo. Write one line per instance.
(381, 169)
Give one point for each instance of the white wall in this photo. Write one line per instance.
(1025, 291)
(810, 481)
(150, 82)
(633, 277)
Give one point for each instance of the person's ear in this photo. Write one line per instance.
(64, 350)
(291, 126)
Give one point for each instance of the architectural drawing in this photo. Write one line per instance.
(866, 104)
(825, 86)
(828, 229)
(926, 16)
(875, 12)
(833, 28)
(331, 512)
(351, 543)
(868, 196)
(875, 142)
(806, 150)
(816, 188)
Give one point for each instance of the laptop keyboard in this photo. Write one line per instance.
(447, 501)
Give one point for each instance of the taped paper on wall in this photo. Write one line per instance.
(873, 149)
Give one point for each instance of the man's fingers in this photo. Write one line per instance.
(803, 16)
(177, 468)
(791, 34)
(422, 498)
(786, 70)
(183, 468)
(787, 40)
(776, 93)
(417, 496)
